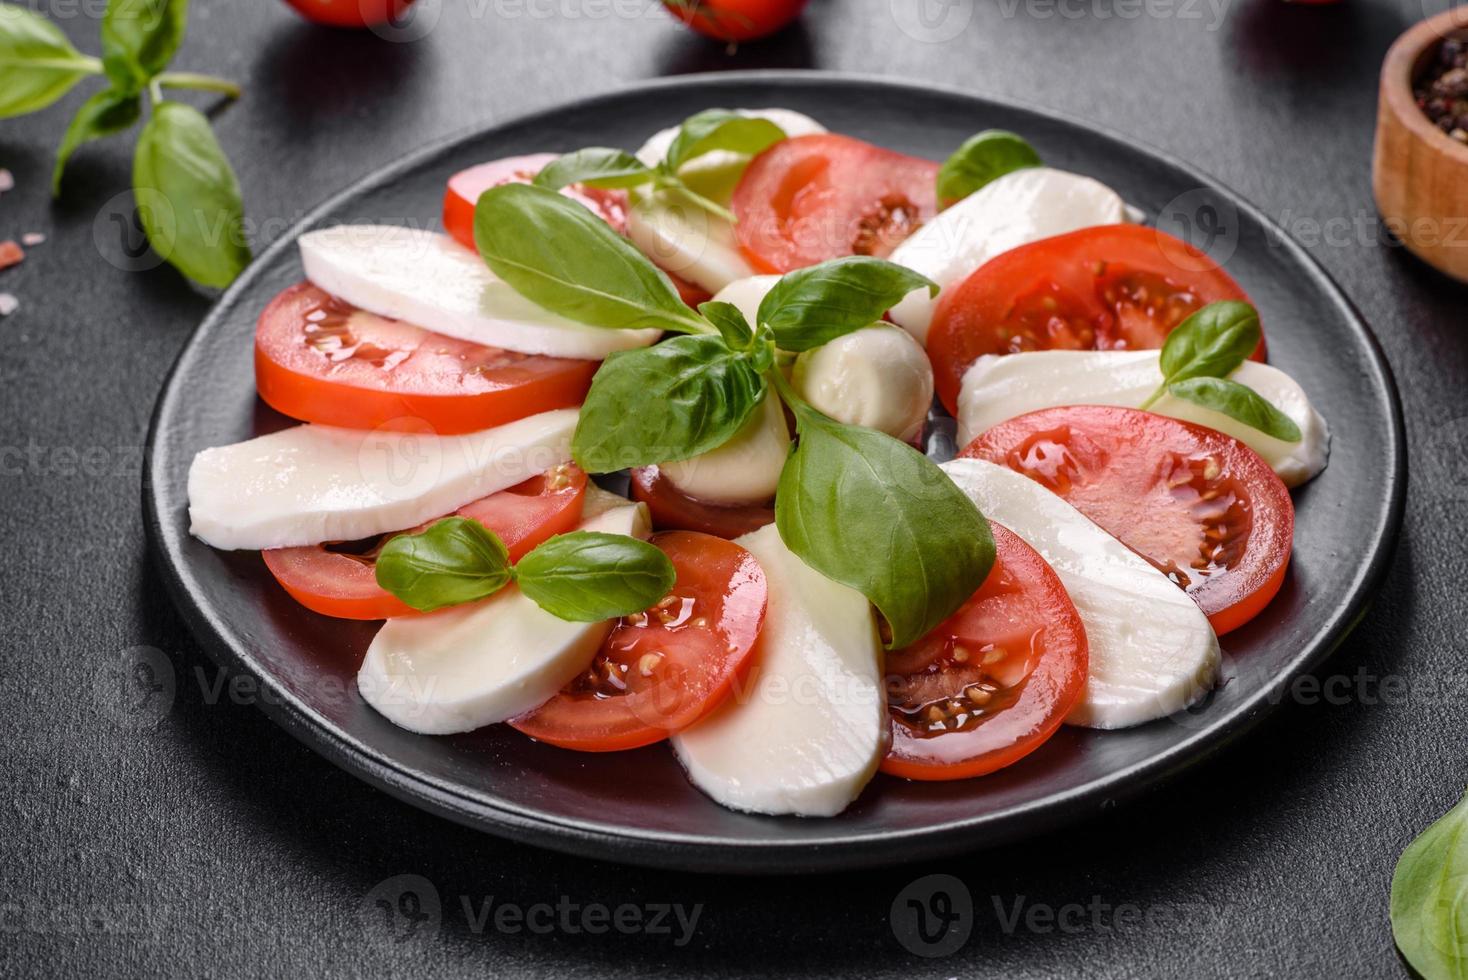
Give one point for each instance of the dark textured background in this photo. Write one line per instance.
(187, 835)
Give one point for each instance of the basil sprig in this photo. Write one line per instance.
(982, 158)
(871, 512)
(858, 506)
(710, 130)
(1203, 351)
(583, 577)
(1429, 894)
(188, 198)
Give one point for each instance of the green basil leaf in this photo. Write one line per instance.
(596, 166)
(104, 114)
(140, 38)
(1429, 898)
(813, 306)
(589, 576)
(453, 561)
(720, 129)
(729, 319)
(674, 401)
(557, 254)
(1238, 402)
(188, 197)
(1211, 343)
(870, 512)
(38, 65)
(982, 158)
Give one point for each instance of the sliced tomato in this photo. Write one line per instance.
(319, 359)
(1113, 287)
(1201, 506)
(660, 671)
(812, 198)
(341, 580)
(993, 681)
(464, 188)
(672, 509)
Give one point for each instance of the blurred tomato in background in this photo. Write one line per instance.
(351, 13)
(735, 20)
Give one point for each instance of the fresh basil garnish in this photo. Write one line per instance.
(981, 159)
(1238, 402)
(38, 65)
(813, 306)
(730, 321)
(140, 38)
(104, 114)
(596, 166)
(188, 197)
(681, 398)
(720, 129)
(1429, 895)
(584, 576)
(560, 256)
(453, 561)
(872, 513)
(590, 576)
(1211, 343)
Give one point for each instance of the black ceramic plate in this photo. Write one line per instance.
(637, 806)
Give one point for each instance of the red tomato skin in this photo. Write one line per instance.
(1049, 692)
(351, 13)
(809, 199)
(343, 587)
(722, 654)
(1129, 449)
(735, 20)
(463, 189)
(1070, 268)
(673, 510)
(306, 384)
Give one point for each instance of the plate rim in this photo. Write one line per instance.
(698, 852)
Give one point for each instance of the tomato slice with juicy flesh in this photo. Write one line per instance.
(993, 681)
(340, 580)
(1199, 505)
(812, 198)
(1114, 287)
(319, 359)
(464, 188)
(660, 671)
(672, 509)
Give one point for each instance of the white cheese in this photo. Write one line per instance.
(1152, 651)
(432, 281)
(806, 731)
(744, 470)
(1021, 207)
(314, 483)
(484, 662)
(1000, 387)
(877, 377)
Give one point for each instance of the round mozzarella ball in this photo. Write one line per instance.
(878, 377)
(744, 470)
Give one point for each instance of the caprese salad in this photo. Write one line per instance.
(750, 317)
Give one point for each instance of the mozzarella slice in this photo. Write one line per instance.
(314, 483)
(431, 280)
(685, 239)
(1021, 207)
(1152, 650)
(806, 731)
(998, 388)
(877, 377)
(473, 665)
(744, 470)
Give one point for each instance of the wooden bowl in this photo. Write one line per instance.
(1419, 173)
